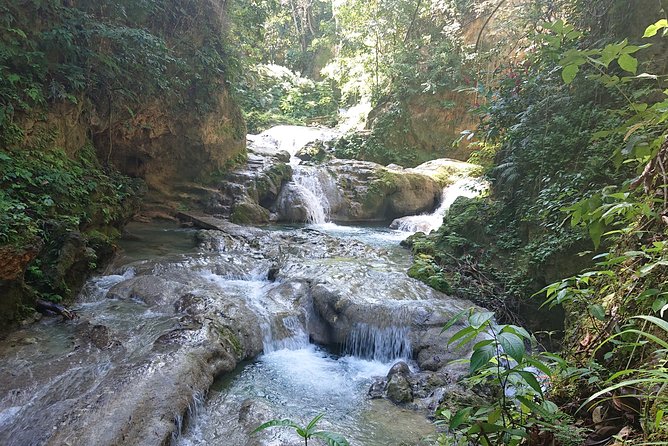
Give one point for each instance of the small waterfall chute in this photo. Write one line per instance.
(379, 344)
(464, 187)
(288, 334)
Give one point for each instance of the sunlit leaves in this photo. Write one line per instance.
(655, 28)
(306, 432)
(569, 72)
(628, 63)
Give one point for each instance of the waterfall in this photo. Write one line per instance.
(288, 335)
(465, 187)
(380, 344)
(311, 184)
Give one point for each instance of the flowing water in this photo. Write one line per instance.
(300, 383)
(151, 336)
(464, 187)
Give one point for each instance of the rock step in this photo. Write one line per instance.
(203, 221)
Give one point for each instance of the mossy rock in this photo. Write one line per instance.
(246, 212)
(426, 270)
(314, 152)
(268, 185)
(466, 218)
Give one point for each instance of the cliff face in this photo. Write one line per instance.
(167, 147)
(167, 117)
(94, 94)
(425, 125)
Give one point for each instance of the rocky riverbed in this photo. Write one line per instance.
(153, 334)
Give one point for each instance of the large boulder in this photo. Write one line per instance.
(359, 191)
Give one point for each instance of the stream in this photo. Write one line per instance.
(197, 337)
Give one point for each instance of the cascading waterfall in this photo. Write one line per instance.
(311, 184)
(465, 187)
(379, 344)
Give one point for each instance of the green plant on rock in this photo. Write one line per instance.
(307, 432)
(425, 269)
(516, 380)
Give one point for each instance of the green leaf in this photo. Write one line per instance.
(659, 303)
(481, 358)
(656, 321)
(655, 27)
(519, 331)
(569, 72)
(459, 418)
(512, 345)
(628, 63)
(533, 407)
(595, 232)
(276, 422)
(539, 365)
(477, 320)
(331, 438)
(461, 333)
(314, 421)
(531, 380)
(453, 320)
(597, 311)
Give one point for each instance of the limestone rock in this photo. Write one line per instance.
(247, 212)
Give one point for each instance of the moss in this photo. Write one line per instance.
(246, 212)
(228, 335)
(426, 269)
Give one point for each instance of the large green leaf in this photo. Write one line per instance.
(477, 320)
(569, 72)
(461, 333)
(531, 380)
(460, 417)
(628, 63)
(655, 27)
(512, 345)
(597, 311)
(481, 357)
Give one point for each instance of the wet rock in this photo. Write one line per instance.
(253, 413)
(151, 290)
(377, 389)
(272, 273)
(248, 212)
(191, 318)
(400, 368)
(314, 152)
(399, 389)
(190, 303)
(291, 205)
(29, 341)
(372, 192)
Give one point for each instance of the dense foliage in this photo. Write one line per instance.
(105, 54)
(41, 187)
(71, 73)
(575, 144)
(271, 94)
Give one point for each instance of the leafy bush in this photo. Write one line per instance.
(38, 185)
(515, 381)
